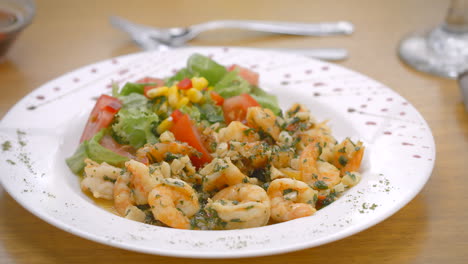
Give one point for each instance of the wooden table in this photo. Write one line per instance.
(433, 228)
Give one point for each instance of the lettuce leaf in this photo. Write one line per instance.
(232, 85)
(93, 150)
(266, 100)
(135, 122)
(199, 65)
(100, 154)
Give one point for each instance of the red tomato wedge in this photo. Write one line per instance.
(185, 131)
(157, 83)
(124, 150)
(235, 108)
(176, 115)
(248, 75)
(102, 115)
(219, 100)
(185, 84)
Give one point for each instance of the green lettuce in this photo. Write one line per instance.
(93, 150)
(232, 85)
(266, 100)
(199, 65)
(135, 122)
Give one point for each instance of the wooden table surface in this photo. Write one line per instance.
(432, 228)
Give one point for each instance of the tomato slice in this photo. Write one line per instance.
(235, 108)
(157, 83)
(219, 100)
(102, 115)
(176, 115)
(124, 150)
(185, 131)
(248, 75)
(185, 84)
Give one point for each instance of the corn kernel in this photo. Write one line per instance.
(159, 91)
(173, 96)
(183, 101)
(199, 83)
(194, 95)
(165, 125)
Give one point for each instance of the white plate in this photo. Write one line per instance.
(44, 128)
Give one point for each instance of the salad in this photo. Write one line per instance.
(208, 149)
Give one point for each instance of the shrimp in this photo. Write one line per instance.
(348, 156)
(141, 179)
(281, 157)
(99, 179)
(291, 199)
(241, 206)
(319, 174)
(321, 134)
(298, 118)
(238, 132)
(173, 202)
(264, 119)
(159, 152)
(124, 203)
(296, 108)
(220, 173)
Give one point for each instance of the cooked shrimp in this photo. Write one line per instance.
(319, 174)
(282, 157)
(296, 108)
(241, 206)
(99, 179)
(264, 119)
(238, 132)
(123, 200)
(220, 173)
(321, 134)
(348, 156)
(173, 202)
(291, 199)
(298, 118)
(141, 179)
(256, 154)
(159, 152)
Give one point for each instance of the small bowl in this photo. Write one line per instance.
(15, 15)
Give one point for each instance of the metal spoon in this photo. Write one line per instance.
(151, 38)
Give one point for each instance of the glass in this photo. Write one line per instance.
(442, 50)
(15, 15)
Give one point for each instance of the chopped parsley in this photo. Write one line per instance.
(343, 160)
(321, 185)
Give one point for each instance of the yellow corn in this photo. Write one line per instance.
(183, 101)
(159, 91)
(194, 95)
(173, 96)
(165, 125)
(199, 83)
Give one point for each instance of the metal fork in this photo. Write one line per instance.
(150, 38)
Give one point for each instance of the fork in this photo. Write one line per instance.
(150, 38)
(177, 36)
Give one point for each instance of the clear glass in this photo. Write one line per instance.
(442, 50)
(15, 15)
